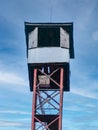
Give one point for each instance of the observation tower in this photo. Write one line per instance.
(49, 50)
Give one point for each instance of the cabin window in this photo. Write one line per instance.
(49, 37)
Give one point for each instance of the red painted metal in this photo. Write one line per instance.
(61, 98)
(34, 101)
(47, 102)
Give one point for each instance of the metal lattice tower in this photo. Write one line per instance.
(49, 48)
(47, 103)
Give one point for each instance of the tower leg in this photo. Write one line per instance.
(34, 101)
(61, 99)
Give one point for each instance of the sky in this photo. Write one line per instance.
(80, 109)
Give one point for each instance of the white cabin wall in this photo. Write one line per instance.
(48, 55)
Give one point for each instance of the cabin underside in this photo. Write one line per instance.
(47, 72)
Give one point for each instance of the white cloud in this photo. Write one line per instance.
(14, 112)
(11, 78)
(9, 123)
(72, 108)
(83, 84)
(85, 93)
(22, 125)
(95, 35)
(90, 105)
(23, 119)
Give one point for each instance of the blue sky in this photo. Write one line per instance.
(80, 110)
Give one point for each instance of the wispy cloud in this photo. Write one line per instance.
(14, 112)
(22, 122)
(9, 123)
(85, 87)
(95, 35)
(72, 108)
(83, 83)
(84, 93)
(11, 78)
(22, 125)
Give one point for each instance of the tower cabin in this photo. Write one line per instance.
(49, 46)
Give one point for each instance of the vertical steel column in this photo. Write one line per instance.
(34, 100)
(61, 98)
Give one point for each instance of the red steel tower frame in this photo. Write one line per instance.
(47, 103)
